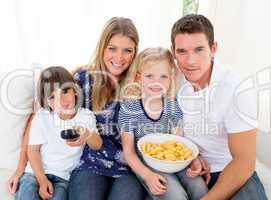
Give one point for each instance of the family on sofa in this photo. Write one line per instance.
(115, 97)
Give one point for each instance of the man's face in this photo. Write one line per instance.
(194, 55)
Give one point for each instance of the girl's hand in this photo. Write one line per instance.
(156, 183)
(46, 189)
(13, 181)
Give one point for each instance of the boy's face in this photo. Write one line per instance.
(194, 55)
(62, 101)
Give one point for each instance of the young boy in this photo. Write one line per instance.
(52, 158)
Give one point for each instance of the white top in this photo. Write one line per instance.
(226, 106)
(57, 157)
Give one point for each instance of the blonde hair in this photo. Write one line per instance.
(130, 88)
(102, 84)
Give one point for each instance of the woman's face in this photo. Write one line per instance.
(119, 54)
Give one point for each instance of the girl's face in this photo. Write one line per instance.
(119, 54)
(155, 78)
(62, 101)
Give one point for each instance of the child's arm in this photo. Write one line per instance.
(92, 138)
(46, 187)
(14, 179)
(88, 134)
(155, 182)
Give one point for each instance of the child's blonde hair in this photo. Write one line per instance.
(131, 89)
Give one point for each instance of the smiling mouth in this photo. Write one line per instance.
(156, 89)
(116, 65)
(191, 70)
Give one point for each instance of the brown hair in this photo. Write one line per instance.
(193, 23)
(116, 25)
(51, 79)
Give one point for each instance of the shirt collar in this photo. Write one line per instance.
(216, 76)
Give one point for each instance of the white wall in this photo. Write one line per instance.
(65, 32)
(243, 32)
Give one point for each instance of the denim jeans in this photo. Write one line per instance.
(29, 187)
(86, 185)
(175, 190)
(253, 189)
(195, 187)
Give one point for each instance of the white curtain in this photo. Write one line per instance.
(65, 32)
(243, 32)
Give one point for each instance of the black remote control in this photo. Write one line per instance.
(69, 134)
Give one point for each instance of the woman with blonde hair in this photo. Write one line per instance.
(104, 174)
(100, 174)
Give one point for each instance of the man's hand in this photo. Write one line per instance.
(199, 167)
(205, 170)
(195, 168)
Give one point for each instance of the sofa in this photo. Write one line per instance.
(16, 99)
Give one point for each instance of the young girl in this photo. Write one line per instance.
(51, 159)
(151, 108)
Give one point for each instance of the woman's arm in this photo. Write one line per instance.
(155, 182)
(14, 179)
(94, 140)
(45, 186)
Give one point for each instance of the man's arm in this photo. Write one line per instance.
(242, 146)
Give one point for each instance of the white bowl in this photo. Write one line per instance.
(162, 165)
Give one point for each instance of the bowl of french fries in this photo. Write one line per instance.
(167, 152)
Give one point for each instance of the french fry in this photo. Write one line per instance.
(170, 150)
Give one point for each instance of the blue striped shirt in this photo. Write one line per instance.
(134, 119)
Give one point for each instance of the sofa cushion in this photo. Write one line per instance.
(4, 175)
(264, 174)
(16, 94)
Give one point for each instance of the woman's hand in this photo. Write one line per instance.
(156, 183)
(13, 181)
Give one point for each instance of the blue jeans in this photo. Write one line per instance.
(29, 187)
(252, 190)
(195, 187)
(175, 191)
(86, 185)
